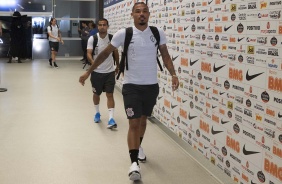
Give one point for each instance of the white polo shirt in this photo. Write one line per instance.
(54, 32)
(108, 65)
(142, 55)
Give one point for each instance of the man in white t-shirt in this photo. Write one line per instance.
(103, 77)
(140, 88)
(54, 39)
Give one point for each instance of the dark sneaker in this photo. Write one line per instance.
(112, 124)
(97, 117)
(134, 172)
(50, 62)
(55, 65)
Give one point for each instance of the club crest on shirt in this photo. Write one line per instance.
(129, 112)
(152, 38)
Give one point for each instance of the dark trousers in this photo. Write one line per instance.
(84, 48)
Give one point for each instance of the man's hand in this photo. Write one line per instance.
(116, 70)
(175, 83)
(83, 78)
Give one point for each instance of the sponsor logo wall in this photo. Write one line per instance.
(227, 54)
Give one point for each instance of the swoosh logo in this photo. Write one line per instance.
(186, 28)
(192, 63)
(207, 88)
(191, 117)
(186, 36)
(226, 28)
(159, 97)
(215, 69)
(173, 106)
(206, 147)
(279, 115)
(246, 152)
(183, 101)
(223, 1)
(174, 58)
(210, 1)
(240, 39)
(224, 122)
(204, 18)
(221, 93)
(214, 131)
(214, 106)
(251, 77)
(252, 182)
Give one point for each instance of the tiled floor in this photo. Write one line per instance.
(47, 134)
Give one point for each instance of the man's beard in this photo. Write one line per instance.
(142, 23)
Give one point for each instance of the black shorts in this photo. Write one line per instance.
(103, 82)
(139, 99)
(54, 46)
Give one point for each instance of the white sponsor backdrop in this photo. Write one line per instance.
(227, 54)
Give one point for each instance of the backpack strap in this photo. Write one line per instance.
(95, 41)
(110, 38)
(156, 34)
(124, 58)
(128, 37)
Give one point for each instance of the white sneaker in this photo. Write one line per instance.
(134, 172)
(141, 155)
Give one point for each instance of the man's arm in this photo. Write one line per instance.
(166, 59)
(99, 60)
(89, 56)
(169, 65)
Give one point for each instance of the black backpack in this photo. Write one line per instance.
(128, 37)
(95, 42)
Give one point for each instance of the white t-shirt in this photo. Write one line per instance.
(142, 55)
(54, 32)
(108, 65)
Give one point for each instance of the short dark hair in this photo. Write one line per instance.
(103, 19)
(138, 4)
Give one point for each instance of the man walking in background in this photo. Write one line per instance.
(103, 77)
(84, 37)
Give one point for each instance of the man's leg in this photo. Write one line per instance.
(133, 141)
(96, 101)
(111, 108)
(143, 125)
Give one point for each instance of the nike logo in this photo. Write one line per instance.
(191, 117)
(279, 115)
(249, 152)
(173, 106)
(251, 77)
(224, 122)
(207, 88)
(174, 58)
(192, 63)
(214, 106)
(186, 28)
(210, 1)
(186, 36)
(215, 69)
(183, 101)
(159, 97)
(223, 1)
(252, 182)
(206, 147)
(214, 131)
(204, 18)
(226, 28)
(221, 93)
(240, 39)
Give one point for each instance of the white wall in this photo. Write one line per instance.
(229, 104)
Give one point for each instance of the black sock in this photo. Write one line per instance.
(141, 138)
(134, 155)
